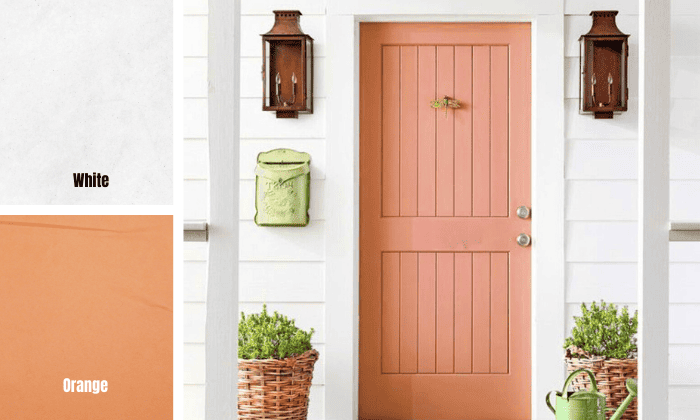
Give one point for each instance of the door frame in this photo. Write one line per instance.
(342, 177)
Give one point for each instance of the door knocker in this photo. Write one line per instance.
(445, 102)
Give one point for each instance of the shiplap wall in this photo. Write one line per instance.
(285, 266)
(196, 173)
(601, 191)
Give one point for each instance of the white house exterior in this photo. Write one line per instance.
(589, 168)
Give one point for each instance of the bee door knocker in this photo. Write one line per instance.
(445, 102)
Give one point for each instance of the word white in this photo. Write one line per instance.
(84, 386)
(87, 180)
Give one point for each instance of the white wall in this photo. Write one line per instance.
(196, 173)
(601, 191)
(285, 266)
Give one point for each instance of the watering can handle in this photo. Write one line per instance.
(594, 386)
(549, 404)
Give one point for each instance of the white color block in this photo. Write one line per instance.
(195, 281)
(316, 202)
(685, 283)
(685, 200)
(251, 148)
(195, 122)
(601, 200)
(268, 243)
(195, 363)
(612, 282)
(683, 403)
(196, 80)
(577, 25)
(195, 34)
(194, 319)
(685, 37)
(685, 76)
(578, 7)
(446, 8)
(254, 26)
(621, 127)
(306, 315)
(601, 242)
(86, 87)
(251, 77)
(685, 118)
(265, 125)
(196, 159)
(683, 365)
(196, 200)
(195, 7)
(195, 251)
(194, 402)
(601, 159)
(281, 282)
(684, 327)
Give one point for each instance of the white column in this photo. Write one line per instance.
(653, 223)
(222, 288)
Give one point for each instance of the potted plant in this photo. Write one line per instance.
(275, 367)
(604, 342)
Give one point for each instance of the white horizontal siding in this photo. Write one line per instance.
(194, 402)
(265, 125)
(601, 159)
(259, 243)
(194, 360)
(578, 7)
(195, 35)
(582, 127)
(195, 285)
(684, 368)
(281, 282)
(195, 118)
(195, 73)
(195, 7)
(685, 76)
(307, 7)
(194, 321)
(196, 194)
(195, 251)
(601, 241)
(601, 200)
(196, 158)
(684, 403)
(612, 282)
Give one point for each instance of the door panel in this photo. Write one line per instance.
(444, 288)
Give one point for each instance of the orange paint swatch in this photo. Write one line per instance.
(86, 298)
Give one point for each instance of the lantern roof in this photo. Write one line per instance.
(286, 24)
(604, 25)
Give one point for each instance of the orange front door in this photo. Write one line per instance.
(444, 286)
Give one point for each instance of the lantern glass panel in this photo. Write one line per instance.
(309, 74)
(267, 101)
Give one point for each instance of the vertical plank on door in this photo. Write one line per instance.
(482, 131)
(463, 131)
(426, 312)
(445, 312)
(409, 131)
(408, 352)
(499, 312)
(463, 312)
(390, 312)
(481, 314)
(391, 93)
(499, 130)
(445, 133)
(426, 131)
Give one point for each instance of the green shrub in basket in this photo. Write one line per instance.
(601, 332)
(264, 336)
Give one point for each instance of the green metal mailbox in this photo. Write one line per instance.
(282, 188)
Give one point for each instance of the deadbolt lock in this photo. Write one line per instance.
(524, 239)
(523, 212)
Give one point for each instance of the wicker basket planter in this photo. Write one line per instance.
(610, 375)
(275, 388)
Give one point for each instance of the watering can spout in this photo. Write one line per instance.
(632, 388)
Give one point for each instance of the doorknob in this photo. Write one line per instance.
(523, 239)
(523, 212)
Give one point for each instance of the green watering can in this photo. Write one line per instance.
(587, 405)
